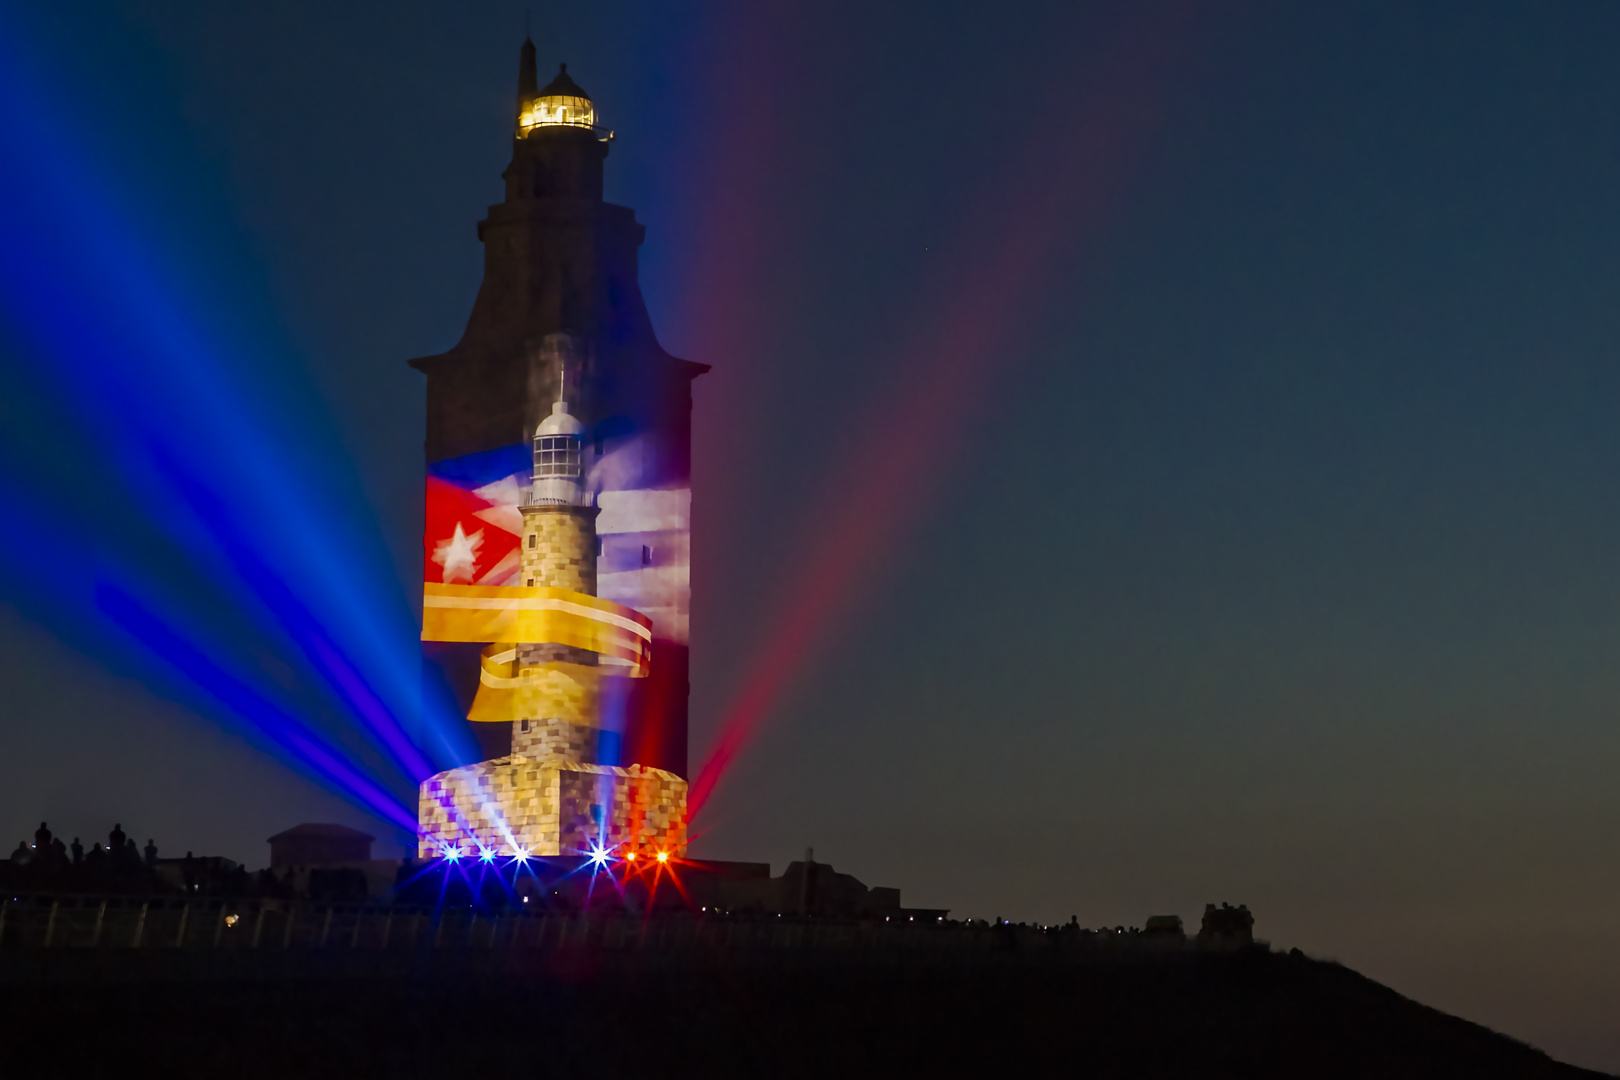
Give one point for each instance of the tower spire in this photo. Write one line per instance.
(528, 80)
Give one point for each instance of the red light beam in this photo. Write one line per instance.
(996, 279)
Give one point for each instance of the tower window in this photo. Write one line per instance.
(598, 547)
(556, 455)
(523, 725)
(531, 583)
(646, 555)
(533, 538)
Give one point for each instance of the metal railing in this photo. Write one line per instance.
(528, 497)
(40, 922)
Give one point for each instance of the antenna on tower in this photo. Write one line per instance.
(562, 382)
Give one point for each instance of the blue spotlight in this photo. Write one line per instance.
(452, 854)
(600, 856)
(266, 518)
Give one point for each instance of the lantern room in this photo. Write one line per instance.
(557, 472)
(560, 103)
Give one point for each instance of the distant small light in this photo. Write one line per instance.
(230, 920)
(525, 899)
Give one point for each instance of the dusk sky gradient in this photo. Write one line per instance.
(1184, 434)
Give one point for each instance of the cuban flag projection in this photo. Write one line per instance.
(471, 536)
(473, 525)
(471, 533)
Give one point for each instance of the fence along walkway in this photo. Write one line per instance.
(33, 923)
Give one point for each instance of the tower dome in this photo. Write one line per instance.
(560, 422)
(560, 103)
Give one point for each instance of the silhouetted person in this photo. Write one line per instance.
(59, 854)
(115, 840)
(42, 840)
(22, 854)
(95, 859)
(132, 856)
(78, 852)
(151, 854)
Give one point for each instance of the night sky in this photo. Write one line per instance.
(1165, 453)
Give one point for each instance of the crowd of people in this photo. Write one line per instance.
(121, 865)
(118, 865)
(119, 856)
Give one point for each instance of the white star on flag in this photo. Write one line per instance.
(459, 555)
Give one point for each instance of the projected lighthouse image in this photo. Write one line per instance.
(556, 538)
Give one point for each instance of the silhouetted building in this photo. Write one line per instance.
(1226, 927)
(318, 845)
(805, 888)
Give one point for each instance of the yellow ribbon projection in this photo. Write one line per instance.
(533, 615)
(566, 691)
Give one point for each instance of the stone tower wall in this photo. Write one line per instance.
(561, 705)
(559, 547)
(558, 706)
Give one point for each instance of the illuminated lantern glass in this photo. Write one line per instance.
(561, 103)
(557, 110)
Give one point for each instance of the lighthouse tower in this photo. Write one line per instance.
(560, 292)
(557, 540)
(559, 700)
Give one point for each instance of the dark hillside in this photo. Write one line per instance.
(1187, 1015)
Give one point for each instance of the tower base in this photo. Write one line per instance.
(519, 804)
